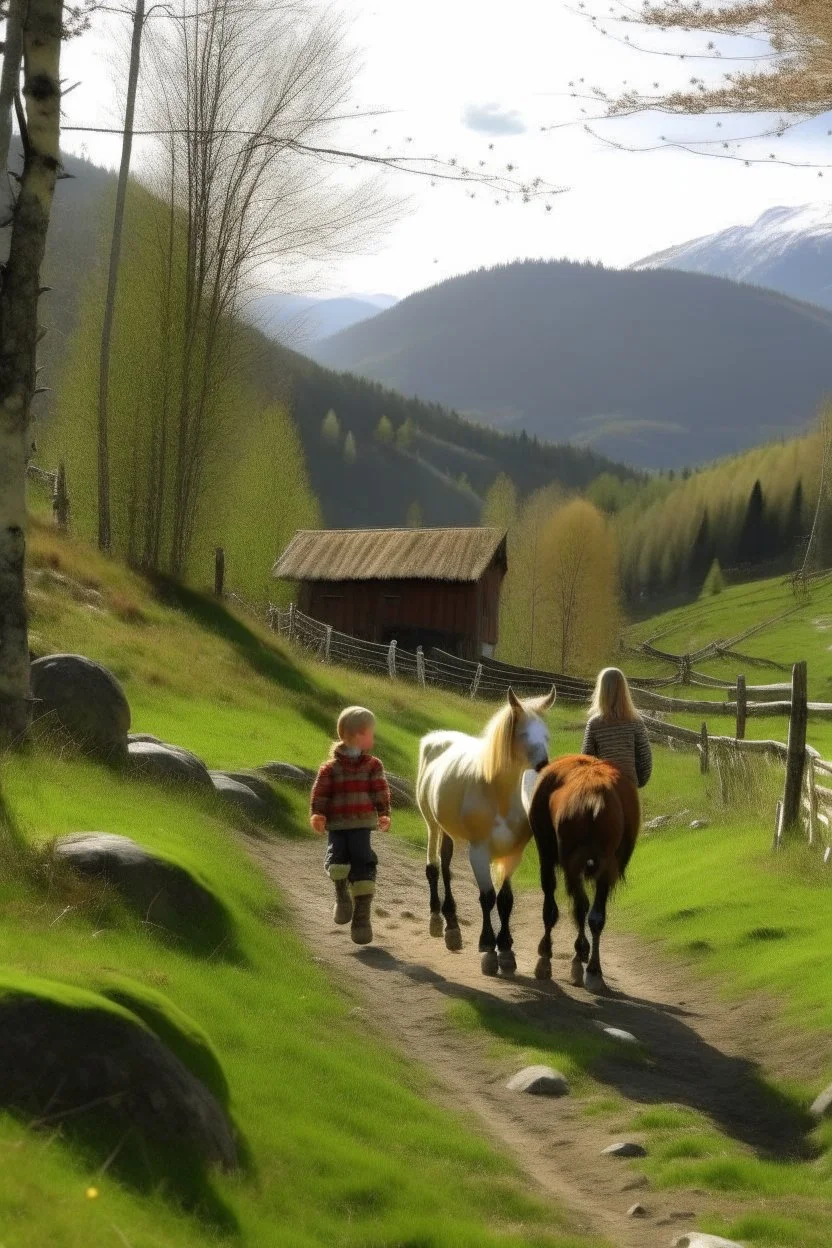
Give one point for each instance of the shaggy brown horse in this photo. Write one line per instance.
(585, 818)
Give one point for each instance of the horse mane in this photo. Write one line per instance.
(582, 786)
(496, 755)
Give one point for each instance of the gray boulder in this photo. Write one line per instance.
(84, 702)
(163, 893)
(156, 760)
(64, 1054)
(239, 795)
(539, 1081)
(256, 783)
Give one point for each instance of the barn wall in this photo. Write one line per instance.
(460, 617)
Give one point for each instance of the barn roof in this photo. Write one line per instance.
(388, 554)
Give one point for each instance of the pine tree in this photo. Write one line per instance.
(714, 581)
(701, 553)
(404, 435)
(331, 429)
(794, 528)
(350, 451)
(753, 545)
(384, 431)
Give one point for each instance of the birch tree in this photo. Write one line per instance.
(38, 115)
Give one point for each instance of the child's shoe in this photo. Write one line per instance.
(342, 910)
(362, 928)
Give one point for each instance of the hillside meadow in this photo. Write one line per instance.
(325, 1168)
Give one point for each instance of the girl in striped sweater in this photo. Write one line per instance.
(616, 731)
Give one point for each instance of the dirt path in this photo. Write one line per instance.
(701, 1051)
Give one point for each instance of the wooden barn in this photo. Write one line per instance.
(419, 587)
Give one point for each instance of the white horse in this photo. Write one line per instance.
(469, 789)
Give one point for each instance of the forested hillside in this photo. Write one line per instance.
(658, 368)
(268, 464)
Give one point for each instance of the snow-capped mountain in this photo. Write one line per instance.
(786, 249)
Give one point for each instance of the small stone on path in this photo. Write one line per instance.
(637, 1211)
(618, 1033)
(658, 822)
(695, 1239)
(700, 823)
(822, 1104)
(624, 1149)
(539, 1081)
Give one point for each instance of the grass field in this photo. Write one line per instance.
(328, 1170)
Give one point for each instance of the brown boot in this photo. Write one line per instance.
(362, 928)
(342, 910)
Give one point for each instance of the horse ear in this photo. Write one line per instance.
(549, 701)
(513, 700)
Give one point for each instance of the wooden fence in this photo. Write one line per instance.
(806, 804)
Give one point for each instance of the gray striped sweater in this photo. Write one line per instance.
(622, 742)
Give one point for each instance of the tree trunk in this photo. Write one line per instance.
(18, 344)
(104, 520)
(9, 84)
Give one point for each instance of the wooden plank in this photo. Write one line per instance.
(796, 756)
(704, 751)
(741, 708)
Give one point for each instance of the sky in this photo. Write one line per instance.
(454, 77)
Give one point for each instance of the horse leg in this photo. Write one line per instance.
(594, 976)
(480, 858)
(546, 849)
(505, 905)
(580, 909)
(453, 935)
(505, 953)
(432, 874)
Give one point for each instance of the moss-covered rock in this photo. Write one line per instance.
(78, 1058)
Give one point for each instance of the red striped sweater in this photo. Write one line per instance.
(351, 791)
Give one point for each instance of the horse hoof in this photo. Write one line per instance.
(489, 963)
(507, 961)
(576, 973)
(436, 925)
(453, 939)
(594, 982)
(543, 970)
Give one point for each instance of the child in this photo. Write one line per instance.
(615, 731)
(350, 799)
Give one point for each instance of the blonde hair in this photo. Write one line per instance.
(612, 698)
(352, 719)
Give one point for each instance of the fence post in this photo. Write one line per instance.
(812, 801)
(704, 751)
(391, 660)
(796, 759)
(219, 572)
(60, 499)
(327, 642)
(778, 824)
(742, 708)
(420, 666)
(477, 678)
(684, 669)
(291, 621)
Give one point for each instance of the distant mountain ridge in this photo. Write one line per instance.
(656, 368)
(303, 319)
(445, 467)
(786, 249)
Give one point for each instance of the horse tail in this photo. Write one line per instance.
(430, 747)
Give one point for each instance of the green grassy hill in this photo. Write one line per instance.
(346, 1144)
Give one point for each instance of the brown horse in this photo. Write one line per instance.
(585, 817)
